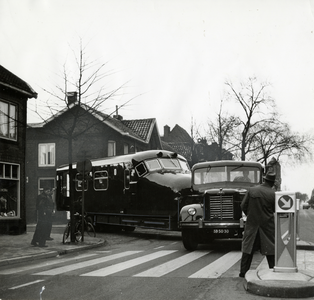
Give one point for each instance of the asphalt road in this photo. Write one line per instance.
(144, 264)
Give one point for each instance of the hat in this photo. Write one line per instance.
(270, 177)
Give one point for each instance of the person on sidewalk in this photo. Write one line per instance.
(259, 234)
(50, 207)
(44, 219)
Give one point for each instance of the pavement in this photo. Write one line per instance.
(18, 248)
(263, 281)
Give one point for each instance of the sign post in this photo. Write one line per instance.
(285, 250)
(83, 167)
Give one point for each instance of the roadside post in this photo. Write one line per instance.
(285, 250)
(84, 167)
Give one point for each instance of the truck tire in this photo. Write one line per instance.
(189, 239)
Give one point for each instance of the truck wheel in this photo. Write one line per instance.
(189, 239)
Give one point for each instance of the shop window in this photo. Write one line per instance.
(46, 155)
(8, 121)
(9, 190)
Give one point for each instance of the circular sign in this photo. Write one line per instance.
(84, 166)
(285, 202)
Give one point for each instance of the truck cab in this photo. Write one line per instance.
(218, 188)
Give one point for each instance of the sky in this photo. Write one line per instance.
(171, 57)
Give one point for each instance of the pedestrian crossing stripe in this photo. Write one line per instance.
(44, 264)
(219, 266)
(128, 264)
(172, 265)
(84, 264)
(225, 266)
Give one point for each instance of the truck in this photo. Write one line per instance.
(218, 188)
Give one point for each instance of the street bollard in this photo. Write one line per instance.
(285, 251)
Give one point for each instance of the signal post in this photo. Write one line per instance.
(285, 250)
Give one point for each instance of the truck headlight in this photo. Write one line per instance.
(191, 211)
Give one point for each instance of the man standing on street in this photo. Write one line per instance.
(44, 218)
(259, 234)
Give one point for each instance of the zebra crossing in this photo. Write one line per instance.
(143, 263)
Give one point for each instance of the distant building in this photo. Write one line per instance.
(178, 140)
(14, 93)
(96, 135)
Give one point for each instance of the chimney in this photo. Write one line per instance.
(166, 133)
(72, 97)
(117, 116)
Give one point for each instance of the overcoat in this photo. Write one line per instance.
(259, 206)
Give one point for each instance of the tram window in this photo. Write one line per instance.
(141, 169)
(79, 183)
(126, 179)
(101, 180)
(153, 165)
(170, 163)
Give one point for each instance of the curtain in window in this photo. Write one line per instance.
(4, 113)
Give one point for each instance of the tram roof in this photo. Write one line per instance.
(128, 158)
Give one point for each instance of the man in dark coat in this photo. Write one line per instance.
(259, 234)
(44, 218)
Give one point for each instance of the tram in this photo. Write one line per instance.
(146, 189)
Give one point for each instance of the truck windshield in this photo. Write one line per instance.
(241, 173)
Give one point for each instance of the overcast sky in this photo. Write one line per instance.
(175, 55)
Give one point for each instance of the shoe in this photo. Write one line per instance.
(241, 275)
(50, 239)
(42, 246)
(34, 243)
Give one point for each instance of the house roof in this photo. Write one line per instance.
(183, 148)
(140, 129)
(8, 79)
(179, 135)
(180, 141)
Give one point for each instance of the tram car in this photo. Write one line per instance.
(146, 189)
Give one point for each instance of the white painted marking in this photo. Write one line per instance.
(172, 265)
(219, 266)
(25, 284)
(84, 264)
(43, 264)
(128, 264)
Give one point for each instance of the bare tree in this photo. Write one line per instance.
(276, 139)
(222, 131)
(89, 95)
(257, 107)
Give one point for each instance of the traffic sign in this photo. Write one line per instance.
(285, 202)
(84, 167)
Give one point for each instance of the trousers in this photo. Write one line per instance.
(246, 258)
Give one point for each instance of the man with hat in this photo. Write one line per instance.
(44, 206)
(259, 234)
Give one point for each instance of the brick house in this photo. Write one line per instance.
(14, 93)
(178, 140)
(95, 135)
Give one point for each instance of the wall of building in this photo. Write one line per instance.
(13, 152)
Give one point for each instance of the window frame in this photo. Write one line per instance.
(3, 177)
(40, 146)
(113, 149)
(9, 120)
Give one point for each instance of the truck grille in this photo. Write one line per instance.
(219, 207)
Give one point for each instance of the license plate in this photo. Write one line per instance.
(220, 231)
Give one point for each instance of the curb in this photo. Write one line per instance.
(52, 253)
(278, 288)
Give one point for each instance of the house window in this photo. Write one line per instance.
(9, 191)
(111, 148)
(46, 156)
(126, 149)
(8, 121)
